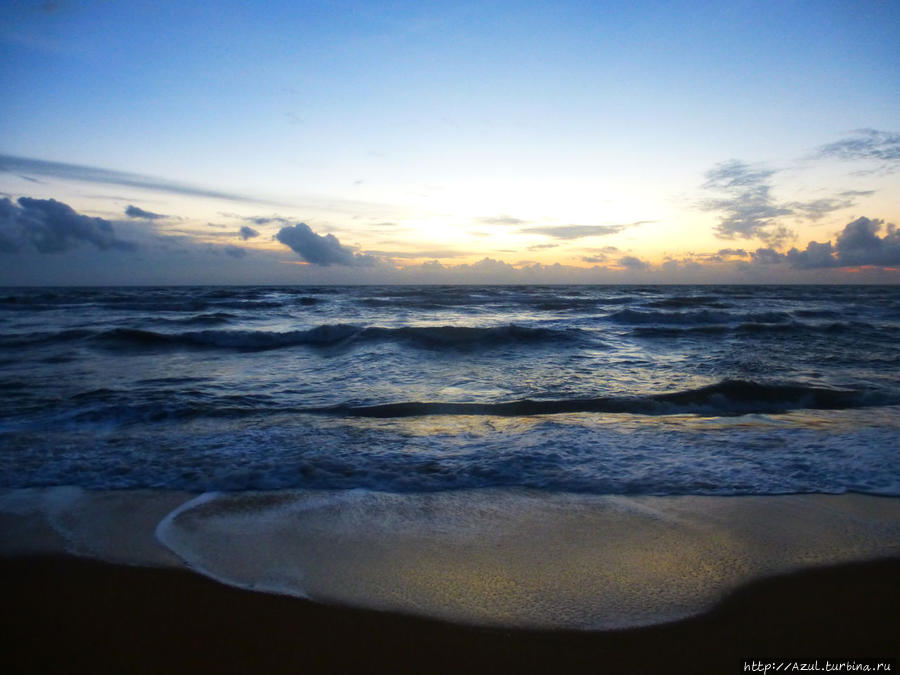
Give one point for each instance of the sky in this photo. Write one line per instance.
(449, 142)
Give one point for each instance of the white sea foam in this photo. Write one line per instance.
(521, 558)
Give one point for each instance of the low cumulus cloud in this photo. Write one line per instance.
(321, 250)
(246, 233)
(49, 226)
(235, 251)
(722, 255)
(634, 264)
(135, 212)
(767, 256)
(674, 265)
(858, 245)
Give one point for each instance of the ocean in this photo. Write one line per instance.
(658, 390)
(446, 416)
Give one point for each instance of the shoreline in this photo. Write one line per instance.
(604, 563)
(80, 615)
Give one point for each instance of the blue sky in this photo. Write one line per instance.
(508, 142)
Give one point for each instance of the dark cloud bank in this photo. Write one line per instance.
(31, 228)
(49, 226)
(858, 245)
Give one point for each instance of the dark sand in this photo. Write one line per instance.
(64, 615)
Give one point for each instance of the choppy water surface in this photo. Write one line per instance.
(660, 390)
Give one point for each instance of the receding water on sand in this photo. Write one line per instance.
(511, 558)
(522, 558)
(497, 557)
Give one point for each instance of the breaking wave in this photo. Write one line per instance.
(333, 335)
(726, 398)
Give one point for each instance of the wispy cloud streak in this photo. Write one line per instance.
(866, 144)
(137, 212)
(89, 174)
(580, 231)
(749, 209)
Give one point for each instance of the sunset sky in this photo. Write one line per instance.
(449, 142)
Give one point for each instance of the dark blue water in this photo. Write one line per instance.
(607, 390)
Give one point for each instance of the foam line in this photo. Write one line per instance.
(522, 558)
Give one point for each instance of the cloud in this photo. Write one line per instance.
(747, 205)
(739, 252)
(265, 220)
(673, 266)
(501, 220)
(246, 233)
(541, 247)
(749, 211)
(736, 175)
(90, 174)
(819, 208)
(235, 251)
(866, 144)
(319, 250)
(433, 253)
(50, 226)
(815, 256)
(135, 212)
(579, 231)
(858, 245)
(634, 264)
(8, 227)
(767, 256)
(593, 258)
(489, 267)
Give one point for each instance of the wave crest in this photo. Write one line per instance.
(431, 337)
(725, 398)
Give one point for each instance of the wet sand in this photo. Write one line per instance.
(66, 614)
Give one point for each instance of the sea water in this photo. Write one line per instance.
(458, 407)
